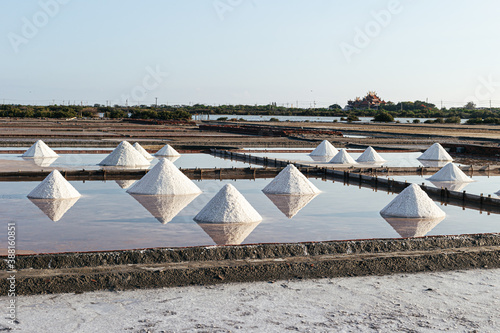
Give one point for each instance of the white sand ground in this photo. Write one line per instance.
(460, 301)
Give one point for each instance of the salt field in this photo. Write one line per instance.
(106, 217)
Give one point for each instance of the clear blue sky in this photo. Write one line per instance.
(249, 51)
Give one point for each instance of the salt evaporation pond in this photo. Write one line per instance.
(396, 159)
(91, 161)
(107, 218)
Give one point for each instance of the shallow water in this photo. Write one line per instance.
(107, 218)
(90, 161)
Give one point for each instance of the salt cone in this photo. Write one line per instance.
(325, 148)
(54, 186)
(436, 152)
(370, 156)
(412, 202)
(342, 157)
(124, 155)
(450, 173)
(39, 149)
(167, 150)
(164, 179)
(143, 151)
(228, 206)
(290, 181)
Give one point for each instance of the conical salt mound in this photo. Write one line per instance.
(290, 181)
(164, 207)
(165, 179)
(143, 151)
(342, 158)
(325, 148)
(412, 202)
(54, 208)
(436, 152)
(228, 233)
(125, 155)
(290, 205)
(54, 186)
(450, 173)
(167, 150)
(413, 227)
(125, 183)
(228, 206)
(39, 149)
(370, 155)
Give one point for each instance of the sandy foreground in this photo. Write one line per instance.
(459, 301)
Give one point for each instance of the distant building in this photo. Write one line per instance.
(370, 101)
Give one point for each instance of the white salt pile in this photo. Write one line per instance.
(164, 207)
(450, 173)
(413, 227)
(412, 202)
(291, 181)
(228, 233)
(167, 150)
(126, 183)
(325, 148)
(125, 155)
(228, 206)
(39, 149)
(342, 158)
(436, 152)
(164, 179)
(54, 208)
(143, 151)
(54, 186)
(290, 205)
(370, 155)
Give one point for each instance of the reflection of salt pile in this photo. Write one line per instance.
(414, 203)
(54, 186)
(167, 150)
(290, 181)
(228, 233)
(39, 149)
(325, 148)
(125, 155)
(452, 186)
(228, 206)
(320, 158)
(450, 173)
(433, 164)
(497, 193)
(126, 183)
(143, 151)
(41, 161)
(436, 152)
(164, 207)
(413, 227)
(54, 208)
(342, 158)
(370, 155)
(165, 179)
(290, 205)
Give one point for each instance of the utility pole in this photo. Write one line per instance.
(156, 102)
(441, 104)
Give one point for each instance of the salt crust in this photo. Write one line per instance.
(370, 155)
(412, 202)
(290, 181)
(228, 206)
(167, 150)
(325, 148)
(143, 151)
(125, 155)
(436, 152)
(54, 186)
(450, 173)
(164, 179)
(39, 149)
(342, 157)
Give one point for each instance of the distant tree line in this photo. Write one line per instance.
(72, 111)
